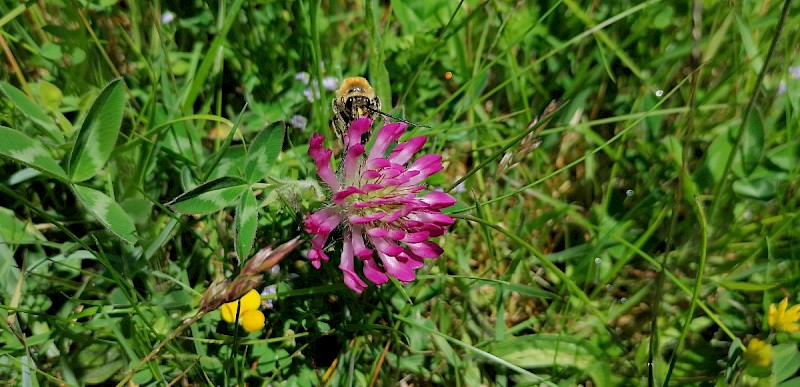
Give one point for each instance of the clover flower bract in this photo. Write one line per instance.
(385, 224)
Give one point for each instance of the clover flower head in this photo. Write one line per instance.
(377, 198)
(782, 318)
(250, 317)
(758, 353)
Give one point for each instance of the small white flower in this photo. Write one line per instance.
(167, 17)
(330, 83)
(302, 77)
(311, 93)
(794, 71)
(298, 121)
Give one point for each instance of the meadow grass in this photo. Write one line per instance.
(626, 176)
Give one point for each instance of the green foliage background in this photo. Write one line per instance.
(640, 242)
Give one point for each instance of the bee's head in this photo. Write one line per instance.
(354, 85)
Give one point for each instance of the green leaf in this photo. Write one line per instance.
(759, 188)
(794, 382)
(752, 142)
(713, 166)
(107, 211)
(785, 156)
(98, 134)
(21, 148)
(14, 230)
(265, 149)
(545, 351)
(32, 111)
(246, 223)
(786, 361)
(210, 197)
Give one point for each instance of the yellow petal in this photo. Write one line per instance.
(794, 311)
(783, 305)
(772, 315)
(250, 301)
(228, 311)
(758, 353)
(252, 320)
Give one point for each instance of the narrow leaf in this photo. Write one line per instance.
(32, 111)
(107, 211)
(748, 286)
(210, 197)
(98, 134)
(21, 148)
(264, 151)
(246, 223)
(529, 291)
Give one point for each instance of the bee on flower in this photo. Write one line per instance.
(377, 199)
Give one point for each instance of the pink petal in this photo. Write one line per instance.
(435, 230)
(405, 150)
(387, 135)
(359, 248)
(350, 166)
(351, 279)
(376, 232)
(322, 159)
(431, 217)
(374, 273)
(438, 200)
(401, 212)
(416, 237)
(322, 222)
(396, 235)
(411, 260)
(358, 219)
(426, 165)
(356, 129)
(425, 249)
(371, 187)
(385, 246)
(371, 174)
(377, 164)
(397, 269)
(339, 197)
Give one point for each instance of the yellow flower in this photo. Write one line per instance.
(758, 353)
(783, 320)
(252, 320)
(250, 317)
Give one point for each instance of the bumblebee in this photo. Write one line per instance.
(354, 99)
